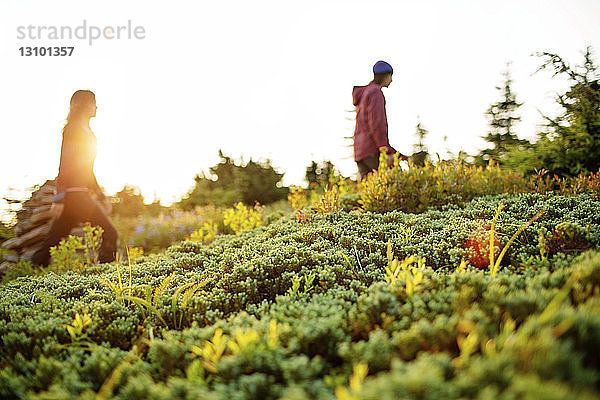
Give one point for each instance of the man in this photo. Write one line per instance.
(371, 132)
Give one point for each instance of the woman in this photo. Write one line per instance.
(76, 182)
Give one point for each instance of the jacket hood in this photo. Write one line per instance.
(357, 94)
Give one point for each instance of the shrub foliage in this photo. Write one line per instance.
(353, 305)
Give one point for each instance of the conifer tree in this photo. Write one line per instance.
(502, 117)
(570, 144)
(421, 152)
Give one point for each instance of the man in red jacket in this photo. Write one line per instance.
(371, 132)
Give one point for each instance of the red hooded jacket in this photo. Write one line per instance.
(371, 130)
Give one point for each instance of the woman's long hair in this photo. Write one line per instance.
(79, 108)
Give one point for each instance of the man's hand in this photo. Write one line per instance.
(390, 159)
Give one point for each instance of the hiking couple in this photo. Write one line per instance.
(76, 183)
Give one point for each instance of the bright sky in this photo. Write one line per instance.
(269, 80)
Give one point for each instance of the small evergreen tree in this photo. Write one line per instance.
(129, 202)
(571, 142)
(502, 118)
(421, 153)
(230, 183)
(319, 173)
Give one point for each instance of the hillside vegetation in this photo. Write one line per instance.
(348, 305)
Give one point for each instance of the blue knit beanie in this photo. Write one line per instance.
(381, 67)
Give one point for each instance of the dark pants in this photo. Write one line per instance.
(79, 207)
(368, 164)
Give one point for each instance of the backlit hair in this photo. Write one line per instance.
(80, 102)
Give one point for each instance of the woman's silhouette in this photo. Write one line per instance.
(76, 181)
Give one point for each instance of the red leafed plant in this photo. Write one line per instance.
(478, 247)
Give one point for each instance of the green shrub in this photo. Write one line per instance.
(447, 182)
(75, 252)
(457, 333)
(241, 217)
(157, 233)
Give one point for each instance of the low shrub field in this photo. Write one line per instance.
(496, 298)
